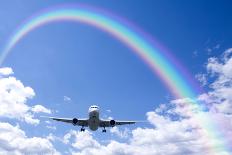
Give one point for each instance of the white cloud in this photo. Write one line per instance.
(67, 99)
(13, 96)
(108, 110)
(227, 54)
(14, 141)
(120, 133)
(81, 140)
(212, 49)
(168, 137)
(6, 71)
(202, 79)
(110, 118)
(40, 109)
(29, 118)
(13, 99)
(214, 66)
(51, 127)
(221, 69)
(48, 122)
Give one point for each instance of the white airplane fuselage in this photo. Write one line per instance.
(93, 118)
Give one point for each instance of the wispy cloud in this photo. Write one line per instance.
(67, 99)
(202, 79)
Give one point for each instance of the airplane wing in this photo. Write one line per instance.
(74, 121)
(111, 123)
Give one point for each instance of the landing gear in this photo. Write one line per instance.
(104, 130)
(82, 129)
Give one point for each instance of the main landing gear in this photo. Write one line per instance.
(82, 129)
(104, 130)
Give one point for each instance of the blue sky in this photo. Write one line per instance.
(90, 67)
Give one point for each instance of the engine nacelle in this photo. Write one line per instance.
(112, 122)
(74, 121)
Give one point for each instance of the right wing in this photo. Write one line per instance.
(110, 123)
(79, 122)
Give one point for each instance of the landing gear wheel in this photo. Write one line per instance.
(104, 130)
(82, 129)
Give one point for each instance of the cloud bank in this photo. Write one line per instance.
(176, 129)
(14, 141)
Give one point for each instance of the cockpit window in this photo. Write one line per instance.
(93, 107)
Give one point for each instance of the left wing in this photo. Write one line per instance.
(111, 123)
(74, 121)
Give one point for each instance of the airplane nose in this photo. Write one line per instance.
(93, 110)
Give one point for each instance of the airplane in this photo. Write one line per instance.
(94, 121)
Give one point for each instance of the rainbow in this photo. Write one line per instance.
(161, 63)
(122, 31)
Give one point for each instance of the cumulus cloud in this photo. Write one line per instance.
(14, 141)
(221, 69)
(13, 99)
(81, 140)
(167, 137)
(13, 105)
(125, 133)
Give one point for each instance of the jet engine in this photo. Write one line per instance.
(112, 122)
(74, 121)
